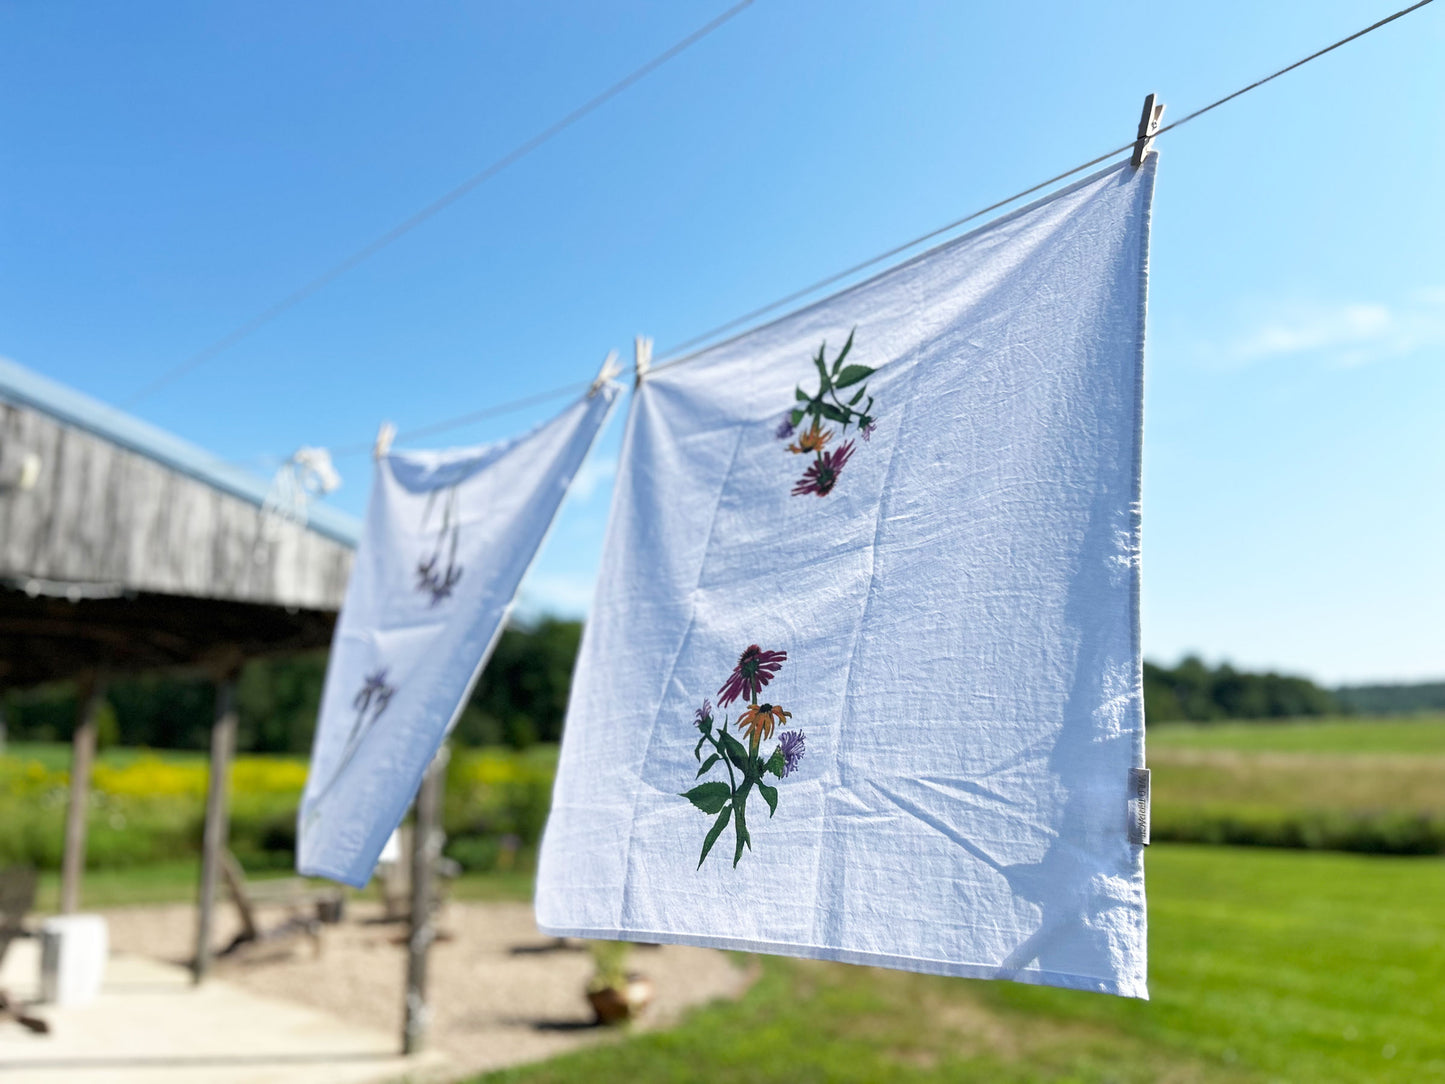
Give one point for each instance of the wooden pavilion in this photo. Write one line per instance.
(125, 549)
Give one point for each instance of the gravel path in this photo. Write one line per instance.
(501, 993)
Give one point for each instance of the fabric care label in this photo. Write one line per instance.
(448, 538)
(861, 678)
(1139, 806)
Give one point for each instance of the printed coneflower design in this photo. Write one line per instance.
(369, 703)
(431, 577)
(824, 407)
(755, 669)
(822, 476)
(746, 766)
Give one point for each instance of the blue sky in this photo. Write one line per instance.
(169, 170)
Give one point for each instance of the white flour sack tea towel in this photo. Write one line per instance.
(861, 680)
(448, 537)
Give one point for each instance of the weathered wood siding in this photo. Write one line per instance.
(103, 514)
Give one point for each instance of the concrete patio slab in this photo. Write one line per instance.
(151, 1026)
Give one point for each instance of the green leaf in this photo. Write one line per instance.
(775, 763)
(860, 393)
(799, 394)
(709, 797)
(715, 831)
(770, 795)
(735, 751)
(846, 347)
(742, 830)
(697, 749)
(822, 372)
(707, 764)
(852, 375)
(833, 413)
(795, 417)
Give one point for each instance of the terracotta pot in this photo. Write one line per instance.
(613, 1005)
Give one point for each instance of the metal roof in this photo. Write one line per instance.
(23, 387)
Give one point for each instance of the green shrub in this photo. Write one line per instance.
(1362, 831)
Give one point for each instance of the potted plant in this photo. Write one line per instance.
(616, 994)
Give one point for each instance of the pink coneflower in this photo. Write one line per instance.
(755, 669)
(822, 476)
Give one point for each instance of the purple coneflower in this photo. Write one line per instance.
(785, 429)
(790, 742)
(376, 689)
(702, 718)
(755, 669)
(822, 476)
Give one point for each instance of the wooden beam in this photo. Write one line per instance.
(91, 690)
(426, 849)
(218, 814)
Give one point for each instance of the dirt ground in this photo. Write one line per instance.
(500, 993)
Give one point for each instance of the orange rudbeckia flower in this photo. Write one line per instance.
(811, 440)
(761, 719)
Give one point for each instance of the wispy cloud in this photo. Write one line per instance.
(1343, 335)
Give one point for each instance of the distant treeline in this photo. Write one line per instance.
(1195, 692)
(1392, 699)
(522, 697)
(520, 700)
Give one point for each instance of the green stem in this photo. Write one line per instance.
(727, 763)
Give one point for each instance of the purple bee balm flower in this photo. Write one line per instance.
(869, 429)
(785, 429)
(822, 476)
(791, 743)
(755, 669)
(703, 715)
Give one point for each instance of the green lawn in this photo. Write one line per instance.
(1419, 734)
(176, 882)
(1266, 965)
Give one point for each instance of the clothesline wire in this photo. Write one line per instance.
(467, 419)
(672, 357)
(675, 354)
(438, 205)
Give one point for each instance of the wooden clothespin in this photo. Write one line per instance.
(384, 436)
(1148, 125)
(643, 347)
(610, 368)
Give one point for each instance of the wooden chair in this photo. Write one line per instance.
(17, 898)
(326, 904)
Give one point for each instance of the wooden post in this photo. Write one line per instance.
(91, 693)
(425, 850)
(218, 809)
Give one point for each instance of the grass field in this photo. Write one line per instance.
(1422, 735)
(1287, 965)
(1376, 786)
(1265, 965)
